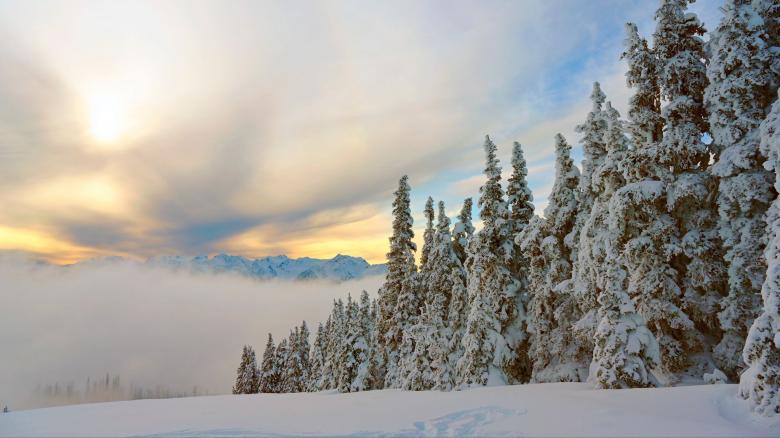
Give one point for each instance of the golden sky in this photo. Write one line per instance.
(143, 128)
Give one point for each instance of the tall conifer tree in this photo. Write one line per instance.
(625, 351)
(317, 360)
(280, 365)
(519, 196)
(738, 98)
(581, 237)
(760, 383)
(268, 378)
(552, 309)
(397, 297)
(428, 213)
(691, 191)
(489, 355)
(247, 380)
(644, 106)
(463, 231)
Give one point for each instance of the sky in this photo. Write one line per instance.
(257, 128)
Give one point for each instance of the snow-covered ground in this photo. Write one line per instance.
(528, 410)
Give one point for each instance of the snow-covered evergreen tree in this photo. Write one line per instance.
(336, 345)
(518, 195)
(280, 365)
(644, 106)
(294, 374)
(442, 369)
(362, 328)
(398, 296)
(625, 350)
(552, 308)
(443, 261)
(769, 11)
(448, 286)
(351, 358)
(304, 351)
(648, 257)
(529, 241)
(350, 352)
(424, 275)
(683, 78)
(462, 231)
(317, 357)
(760, 383)
(606, 178)
(457, 315)
(406, 316)
(570, 340)
(593, 151)
(333, 334)
(521, 210)
(429, 366)
(491, 330)
(738, 98)
(691, 191)
(520, 201)
(414, 362)
(326, 382)
(544, 328)
(376, 352)
(742, 78)
(593, 148)
(247, 381)
(578, 240)
(428, 213)
(269, 375)
(646, 232)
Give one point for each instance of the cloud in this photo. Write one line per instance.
(257, 115)
(320, 235)
(152, 327)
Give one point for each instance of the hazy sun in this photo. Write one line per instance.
(106, 119)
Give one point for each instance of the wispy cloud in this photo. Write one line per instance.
(246, 123)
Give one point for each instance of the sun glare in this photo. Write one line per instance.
(106, 119)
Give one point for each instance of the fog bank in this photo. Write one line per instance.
(152, 327)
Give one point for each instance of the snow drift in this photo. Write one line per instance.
(558, 409)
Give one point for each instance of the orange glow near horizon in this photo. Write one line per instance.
(326, 243)
(363, 236)
(43, 245)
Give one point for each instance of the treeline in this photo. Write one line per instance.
(338, 359)
(102, 389)
(656, 259)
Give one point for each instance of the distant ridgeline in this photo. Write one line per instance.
(339, 268)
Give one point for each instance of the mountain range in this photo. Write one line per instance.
(339, 268)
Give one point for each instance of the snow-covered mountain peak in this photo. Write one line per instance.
(339, 268)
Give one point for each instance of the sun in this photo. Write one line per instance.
(106, 119)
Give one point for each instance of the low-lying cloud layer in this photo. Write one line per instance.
(151, 327)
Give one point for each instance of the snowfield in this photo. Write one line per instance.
(530, 410)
